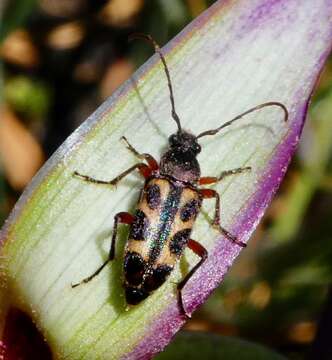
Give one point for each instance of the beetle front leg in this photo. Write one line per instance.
(153, 164)
(199, 250)
(208, 194)
(144, 170)
(208, 180)
(123, 218)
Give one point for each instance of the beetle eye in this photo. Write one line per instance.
(198, 148)
(173, 140)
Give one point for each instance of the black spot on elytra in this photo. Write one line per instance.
(134, 266)
(135, 296)
(139, 226)
(153, 197)
(179, 241)
(157, 278)
(189, 210)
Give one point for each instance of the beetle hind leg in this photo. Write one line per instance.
(123, 218)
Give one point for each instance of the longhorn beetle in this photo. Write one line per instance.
(167, 208)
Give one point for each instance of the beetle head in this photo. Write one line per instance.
(180, 160)
(185, 143)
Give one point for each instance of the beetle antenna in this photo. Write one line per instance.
(150, 40)
(258, 107)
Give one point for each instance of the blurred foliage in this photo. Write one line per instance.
(27, 96)
(2, 197)
(198, 345)
(62, 58)
(14, 13)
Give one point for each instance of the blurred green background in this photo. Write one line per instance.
(61, 59)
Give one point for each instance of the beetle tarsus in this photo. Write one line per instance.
(91, 179)
(152, 162)
(89, 278)
(233, 172)
(182, 310)
(228, 235)
(131, 148)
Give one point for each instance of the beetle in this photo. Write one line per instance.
(167, 208)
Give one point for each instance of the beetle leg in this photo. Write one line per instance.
(152, 162)
(214, 179)
(208, 194)
(233, 172)
(199, 250)
(123, 218)
(142, 168)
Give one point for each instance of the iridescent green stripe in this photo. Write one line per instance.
(166, 219)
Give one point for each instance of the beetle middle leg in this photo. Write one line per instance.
(199, 250)
(123, 218)
(209, 194)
